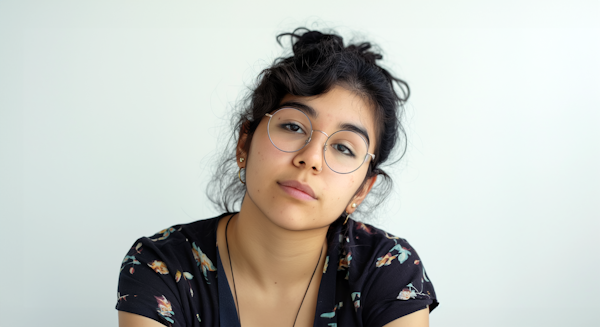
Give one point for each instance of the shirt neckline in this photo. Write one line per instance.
(327, 287)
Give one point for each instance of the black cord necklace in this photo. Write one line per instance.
(233, 278)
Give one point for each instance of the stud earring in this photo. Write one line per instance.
(241, 159)
(353, 205)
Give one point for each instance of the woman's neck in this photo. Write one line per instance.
(268, 254)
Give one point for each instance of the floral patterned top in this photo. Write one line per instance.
(370, 277)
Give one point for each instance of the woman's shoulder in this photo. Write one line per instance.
(369, 240)
(383, 275)
(385, 271)
(183, 246)
(168, 270)
(203, 231)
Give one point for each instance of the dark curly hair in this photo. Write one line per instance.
(319, 62)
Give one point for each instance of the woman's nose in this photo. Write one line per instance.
(311, 156)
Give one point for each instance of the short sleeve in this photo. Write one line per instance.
(398, 282)
(147, 285)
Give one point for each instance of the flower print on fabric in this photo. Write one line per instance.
(123, 297)
(332, 313)
(386, 260)
(356, 300)
(402, 253)
(134, 261)
(391, 237)
(129, 260)
(345, 264)
(167, 283)
(411, 292)
(203, 261)
(159, 267)
(165, 233)
(138, 248)
(164, 308)
(187, 276)
(345, 261)
(364, 227)
(406, 294)
(425, 276)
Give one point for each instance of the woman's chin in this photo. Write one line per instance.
(286, 213)
(294, 221)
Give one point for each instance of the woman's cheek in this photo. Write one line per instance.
(264, 161)
(350, 185)
(343, 187)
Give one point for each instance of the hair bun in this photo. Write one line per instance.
(310, 37)
(313, 46)
(305, 41)
(363, 50)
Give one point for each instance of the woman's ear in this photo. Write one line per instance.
(241, 155)
(361, 194)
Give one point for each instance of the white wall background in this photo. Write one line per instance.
(111, 112)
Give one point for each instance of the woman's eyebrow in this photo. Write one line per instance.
(314, 114)
(356, 129)
(301, 106)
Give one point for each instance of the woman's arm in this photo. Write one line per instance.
(127, 319)
(415, 319)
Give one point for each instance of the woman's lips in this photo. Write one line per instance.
(298, 190)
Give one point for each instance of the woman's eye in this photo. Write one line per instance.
(293, 128)
(343, 149)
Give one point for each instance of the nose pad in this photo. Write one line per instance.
(311, 135)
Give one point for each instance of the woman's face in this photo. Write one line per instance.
(297, 190)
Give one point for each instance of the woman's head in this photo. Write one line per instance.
(321, 63)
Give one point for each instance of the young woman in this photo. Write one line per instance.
(310, 144)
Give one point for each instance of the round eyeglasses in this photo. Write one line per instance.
(290, 130)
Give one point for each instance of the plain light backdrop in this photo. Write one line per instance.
(112, 114)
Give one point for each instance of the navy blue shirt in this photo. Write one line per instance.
(370, 278)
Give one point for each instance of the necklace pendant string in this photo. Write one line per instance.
(233, 278)
(231, 269)
(311, 278)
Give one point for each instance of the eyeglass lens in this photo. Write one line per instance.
(290, 129)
